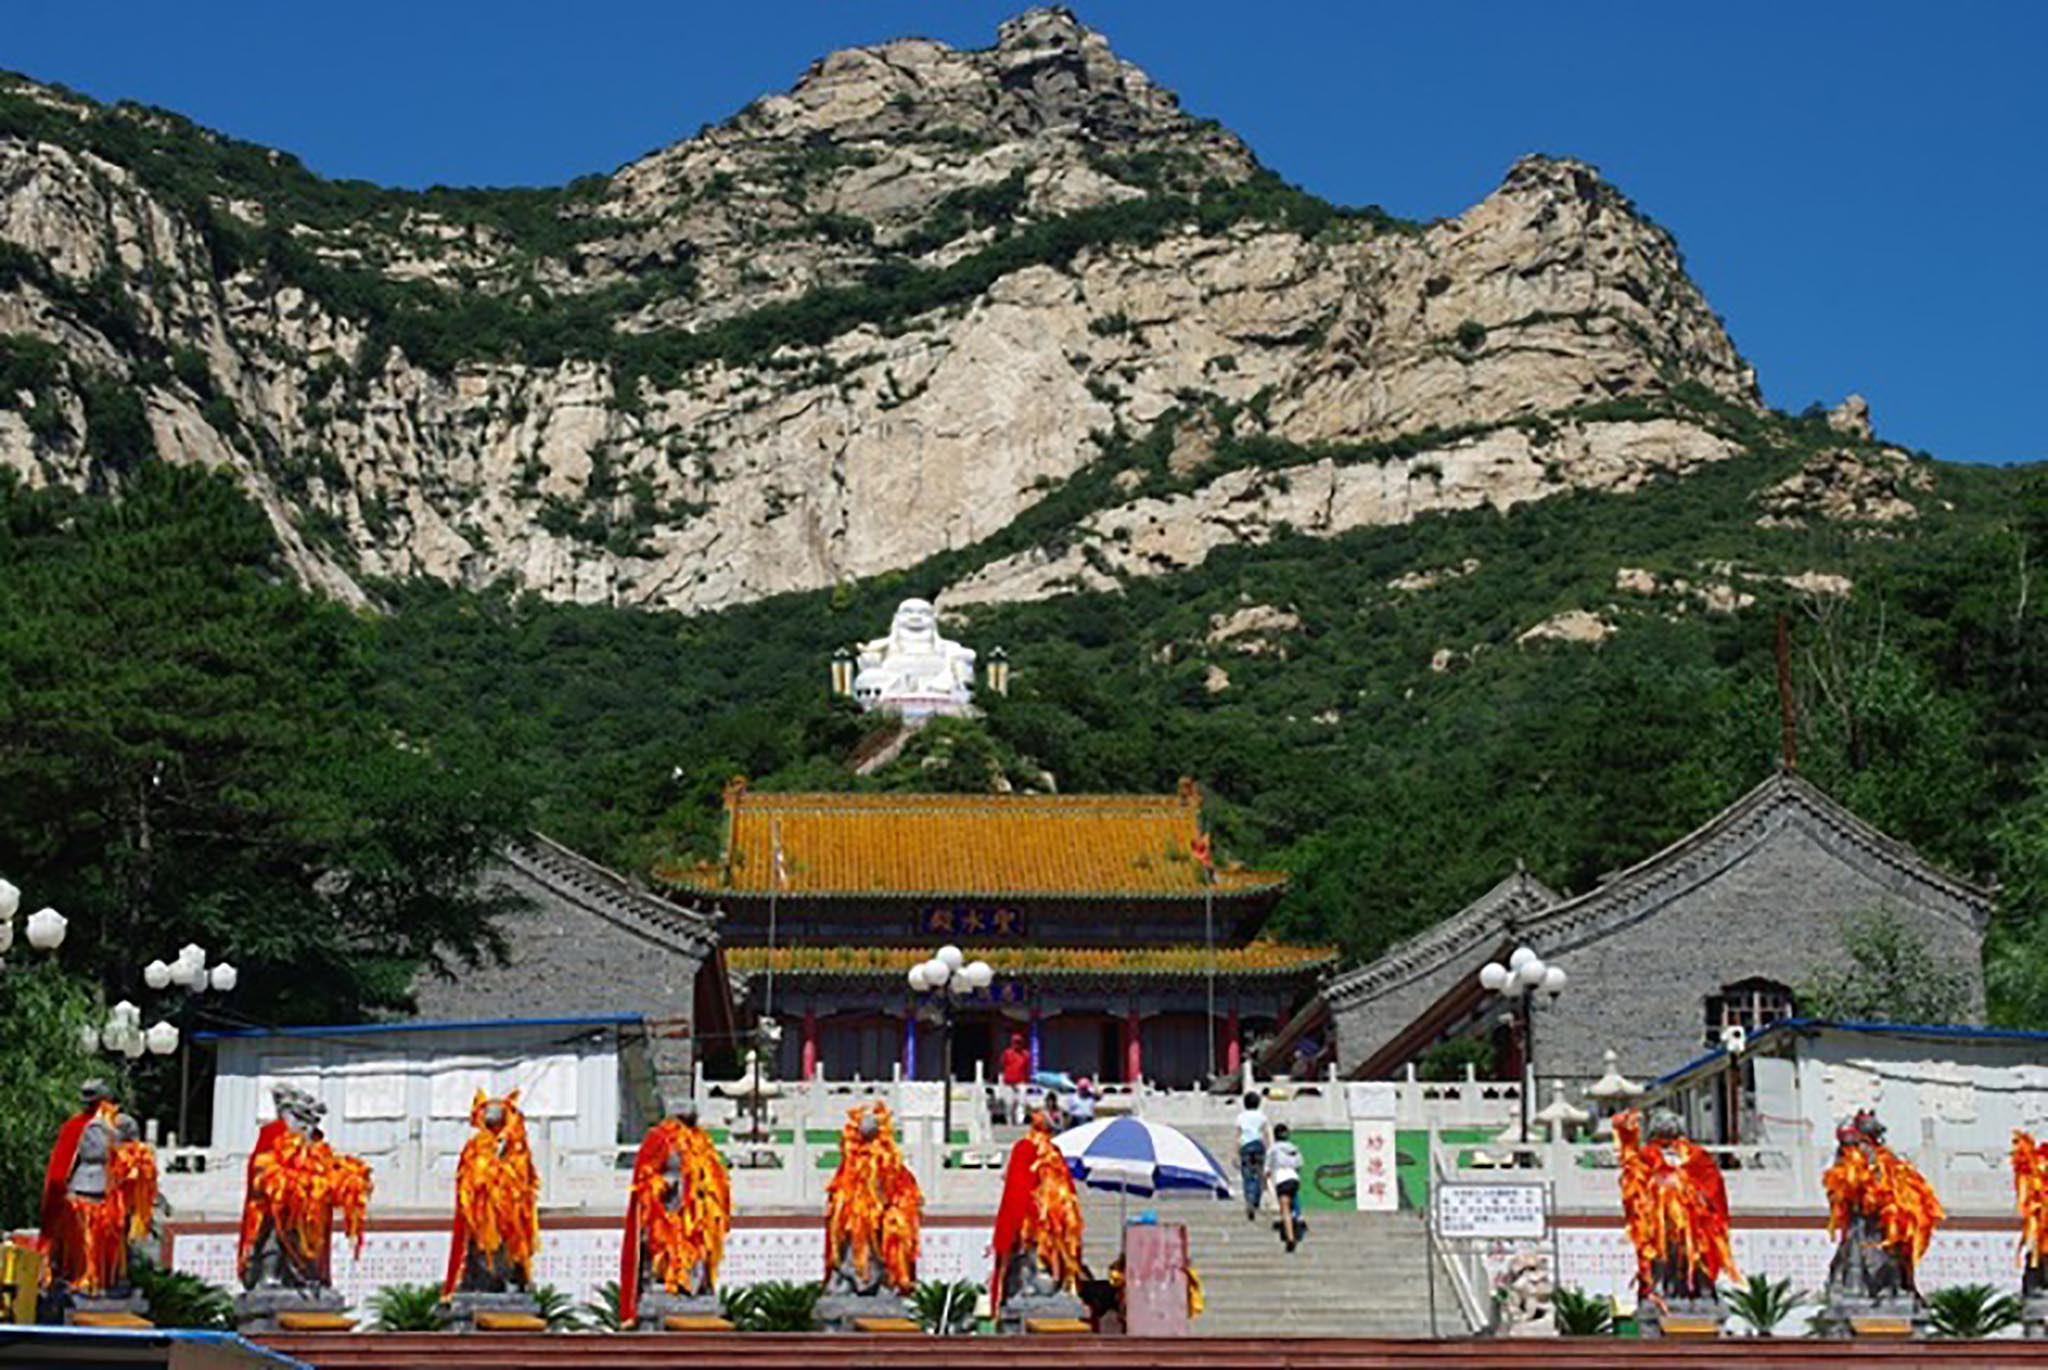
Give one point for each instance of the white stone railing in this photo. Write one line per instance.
(1315, 1103)
(1761, 1179)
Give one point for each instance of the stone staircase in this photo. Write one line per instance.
(1354, 1274)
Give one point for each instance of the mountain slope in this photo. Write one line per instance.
(874, 319)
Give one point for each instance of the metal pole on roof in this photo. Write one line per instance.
(1209, 941)
(1787, 710)
(774, 891)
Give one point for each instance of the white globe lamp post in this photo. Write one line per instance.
(1525, 975)
(948, 978)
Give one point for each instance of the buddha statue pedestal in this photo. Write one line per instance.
(841, 1311)
(474, 1310)
(1031, 1294)
(113, 1308)
(658, 1307)
(262, 1308)
(1682, 1318)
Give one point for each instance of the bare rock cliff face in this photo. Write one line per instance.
(873, 319)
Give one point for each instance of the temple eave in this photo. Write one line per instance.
(1265, 889)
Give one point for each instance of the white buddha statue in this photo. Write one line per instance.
(913, 670)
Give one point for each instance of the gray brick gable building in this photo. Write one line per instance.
(1721, 926)
(587, 940)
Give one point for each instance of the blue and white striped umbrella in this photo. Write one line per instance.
(1133, 1156)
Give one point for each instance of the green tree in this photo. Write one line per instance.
(43, 1012)
(1886, 974)
(191, 755)
(2016, 957)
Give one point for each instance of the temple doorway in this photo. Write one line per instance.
(1176, 1049)
(1080, 1044)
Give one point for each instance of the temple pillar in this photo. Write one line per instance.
(1233, 1044)
(810, 1057)
(1036, 1057)
(910, 1045)
(1134, 1049)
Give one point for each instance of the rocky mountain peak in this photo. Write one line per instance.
(875, 318)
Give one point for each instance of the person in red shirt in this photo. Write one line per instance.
(1016, 1074)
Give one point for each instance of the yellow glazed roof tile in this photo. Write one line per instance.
(977, 844)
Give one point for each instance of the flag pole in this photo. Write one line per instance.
(1209, 941)
(1205, 870)
(774, 891)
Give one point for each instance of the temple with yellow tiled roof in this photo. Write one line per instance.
(1120, 950)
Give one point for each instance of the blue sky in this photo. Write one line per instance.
(1861, 189)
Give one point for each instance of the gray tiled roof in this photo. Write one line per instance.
(587, 940)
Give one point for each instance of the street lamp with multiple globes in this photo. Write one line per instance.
(190, 973)
(948, 978)
(1519, 982)
(45, 928)
(124, 1035)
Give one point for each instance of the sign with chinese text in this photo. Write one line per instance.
(969, 920)
(1489, 1210)
(1372, 1161)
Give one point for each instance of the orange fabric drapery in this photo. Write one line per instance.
(300, 1184)
(1871, 1179)
(691, 1235)
(2030, 1194)
(873, 1207)
(497, 1194)
(1039, 1209)
(1675, 1204)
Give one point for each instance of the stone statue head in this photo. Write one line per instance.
(870, 1126)
(494, 1114)
(93, 1093)
(1664, 1126)
(1868, 1127)
(126, 1129)
(687, 1115)
(916, 620)
(295, 1105)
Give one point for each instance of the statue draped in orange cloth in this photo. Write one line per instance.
(99, 1194)
(2030, 1192)
(1883, 1212)
(1676, 1207)
(497, 1203)
(296, 1183)
(676, 1217)
(1037, 1241)
(872, 1209)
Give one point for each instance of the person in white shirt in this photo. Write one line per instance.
(1283, 1163)
(1081, 1107)
(1252, 1131)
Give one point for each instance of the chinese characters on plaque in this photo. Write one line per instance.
(969, 920)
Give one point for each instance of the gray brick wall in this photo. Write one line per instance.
(1774, 911)
(578, 949)
(1759, 892)
(1373, 1003)
(1364, 1027)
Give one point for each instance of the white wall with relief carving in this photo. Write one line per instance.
(387, 1086)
